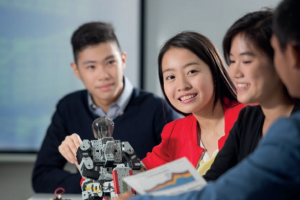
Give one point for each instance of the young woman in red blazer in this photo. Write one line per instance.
(195, 83)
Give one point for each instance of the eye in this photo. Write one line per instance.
(170, 77)
(111, 62)
(247, 62)
(90, 67)
(231, 62)
(192, 72)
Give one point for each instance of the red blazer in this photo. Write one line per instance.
(180, 139)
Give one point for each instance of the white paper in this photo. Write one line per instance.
(172, 178)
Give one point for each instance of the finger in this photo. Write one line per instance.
(73, 148)
(70, 156)
(69, 141)
(66, 152)
(76, 139)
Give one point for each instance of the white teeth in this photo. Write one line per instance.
(242, 84)
(187, 97)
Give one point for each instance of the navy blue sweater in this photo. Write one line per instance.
(141, 125)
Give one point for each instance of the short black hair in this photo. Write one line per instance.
(202, 47)
(256, 27)
(90, 34)
(286, 23)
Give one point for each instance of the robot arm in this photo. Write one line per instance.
(85, 162)
(130, 158)
(86, 165)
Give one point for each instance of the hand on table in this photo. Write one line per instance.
(68, 148)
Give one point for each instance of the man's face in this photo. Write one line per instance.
(287, 66)
(100, 68)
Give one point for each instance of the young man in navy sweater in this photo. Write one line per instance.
(139, 116)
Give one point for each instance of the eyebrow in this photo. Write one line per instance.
(189, 64)
(89, 62)
(108, 57)
(93, 61)
(246, 53)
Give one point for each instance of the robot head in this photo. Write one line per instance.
(103, 127)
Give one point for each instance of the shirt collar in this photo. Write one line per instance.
(124, 98)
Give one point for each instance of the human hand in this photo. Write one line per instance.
(68, 148)
(124, 196)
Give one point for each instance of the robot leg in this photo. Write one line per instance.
(119, 173)
(91, 190)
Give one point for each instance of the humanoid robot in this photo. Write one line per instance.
(104, 162)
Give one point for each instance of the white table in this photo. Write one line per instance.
(42, 196)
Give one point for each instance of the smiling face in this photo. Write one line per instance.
(252, 72)
(188, 82)
(100, 68)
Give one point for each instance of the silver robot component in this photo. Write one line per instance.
(103, 127)
(104, 162)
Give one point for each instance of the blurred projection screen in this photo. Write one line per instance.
(35, 57)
